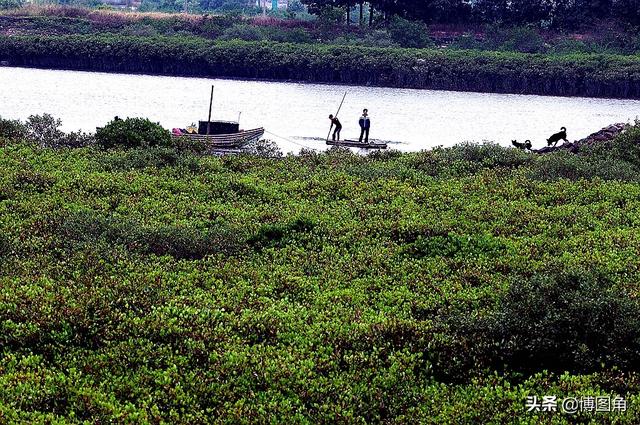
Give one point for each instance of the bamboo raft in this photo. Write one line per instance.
(225, 141)
(350, 142)
(357, 144)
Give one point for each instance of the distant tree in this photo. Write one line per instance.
(321, 7)
(529, 11)
(295, 6)
(628, 11)
(346, 5)
(318, 6)
(599, 8)
(10, 4)
(560, 14)
(490, 11)
(409, 33)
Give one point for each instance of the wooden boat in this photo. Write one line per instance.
(357, 144)
(219, 134)
(225, 140)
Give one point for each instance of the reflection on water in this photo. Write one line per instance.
(414, 119)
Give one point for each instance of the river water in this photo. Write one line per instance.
(296, 115)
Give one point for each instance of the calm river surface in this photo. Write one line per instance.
(298, 113)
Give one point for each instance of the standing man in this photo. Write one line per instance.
(335, 122)
(365, 125)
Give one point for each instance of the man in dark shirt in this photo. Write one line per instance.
(365, 125)
(335, 122)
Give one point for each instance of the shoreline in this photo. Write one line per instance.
(595, 76)
(474, 117)
(305, 82)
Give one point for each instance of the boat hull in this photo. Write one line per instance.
(357, 144)
(225, 141)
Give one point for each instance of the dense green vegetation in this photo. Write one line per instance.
(395, 32)
(586, 75)
(132, 133)
(442, 286)
(558, 14)
(495, 60)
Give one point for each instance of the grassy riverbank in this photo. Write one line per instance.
(502, 72)
(439, 287)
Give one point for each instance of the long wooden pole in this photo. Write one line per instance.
(336, 115)
(210, 106)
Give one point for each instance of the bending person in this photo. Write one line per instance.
(338, 127)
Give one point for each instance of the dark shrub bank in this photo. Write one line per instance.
(500, 72)
(577, 322)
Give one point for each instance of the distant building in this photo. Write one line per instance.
(271, 4)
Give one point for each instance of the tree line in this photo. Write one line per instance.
(482, 71)
(558, 14)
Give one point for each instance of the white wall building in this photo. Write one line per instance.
(270, 4)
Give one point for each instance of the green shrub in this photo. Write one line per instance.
(568, 46)
(83, 229)
(30, 180)
(5, 245)
(454, 245)
(618, 159)
(625, 147)
(368, 38)
(293, 35)
(140, 158)
(466, 42)
(524, 40)
(12, 129)
(181, 242)
(279, 235)
(242, 32)
(44, 130)
(132, 133)
(467, 158)
(566, 165)
(518, 39)
(139, 29)
(577, 322)
(264, 148)
(214, 26)
(614, 42)
(409, 33)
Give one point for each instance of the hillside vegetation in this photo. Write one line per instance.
(151, 285)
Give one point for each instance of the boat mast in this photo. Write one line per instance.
(210, 105)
